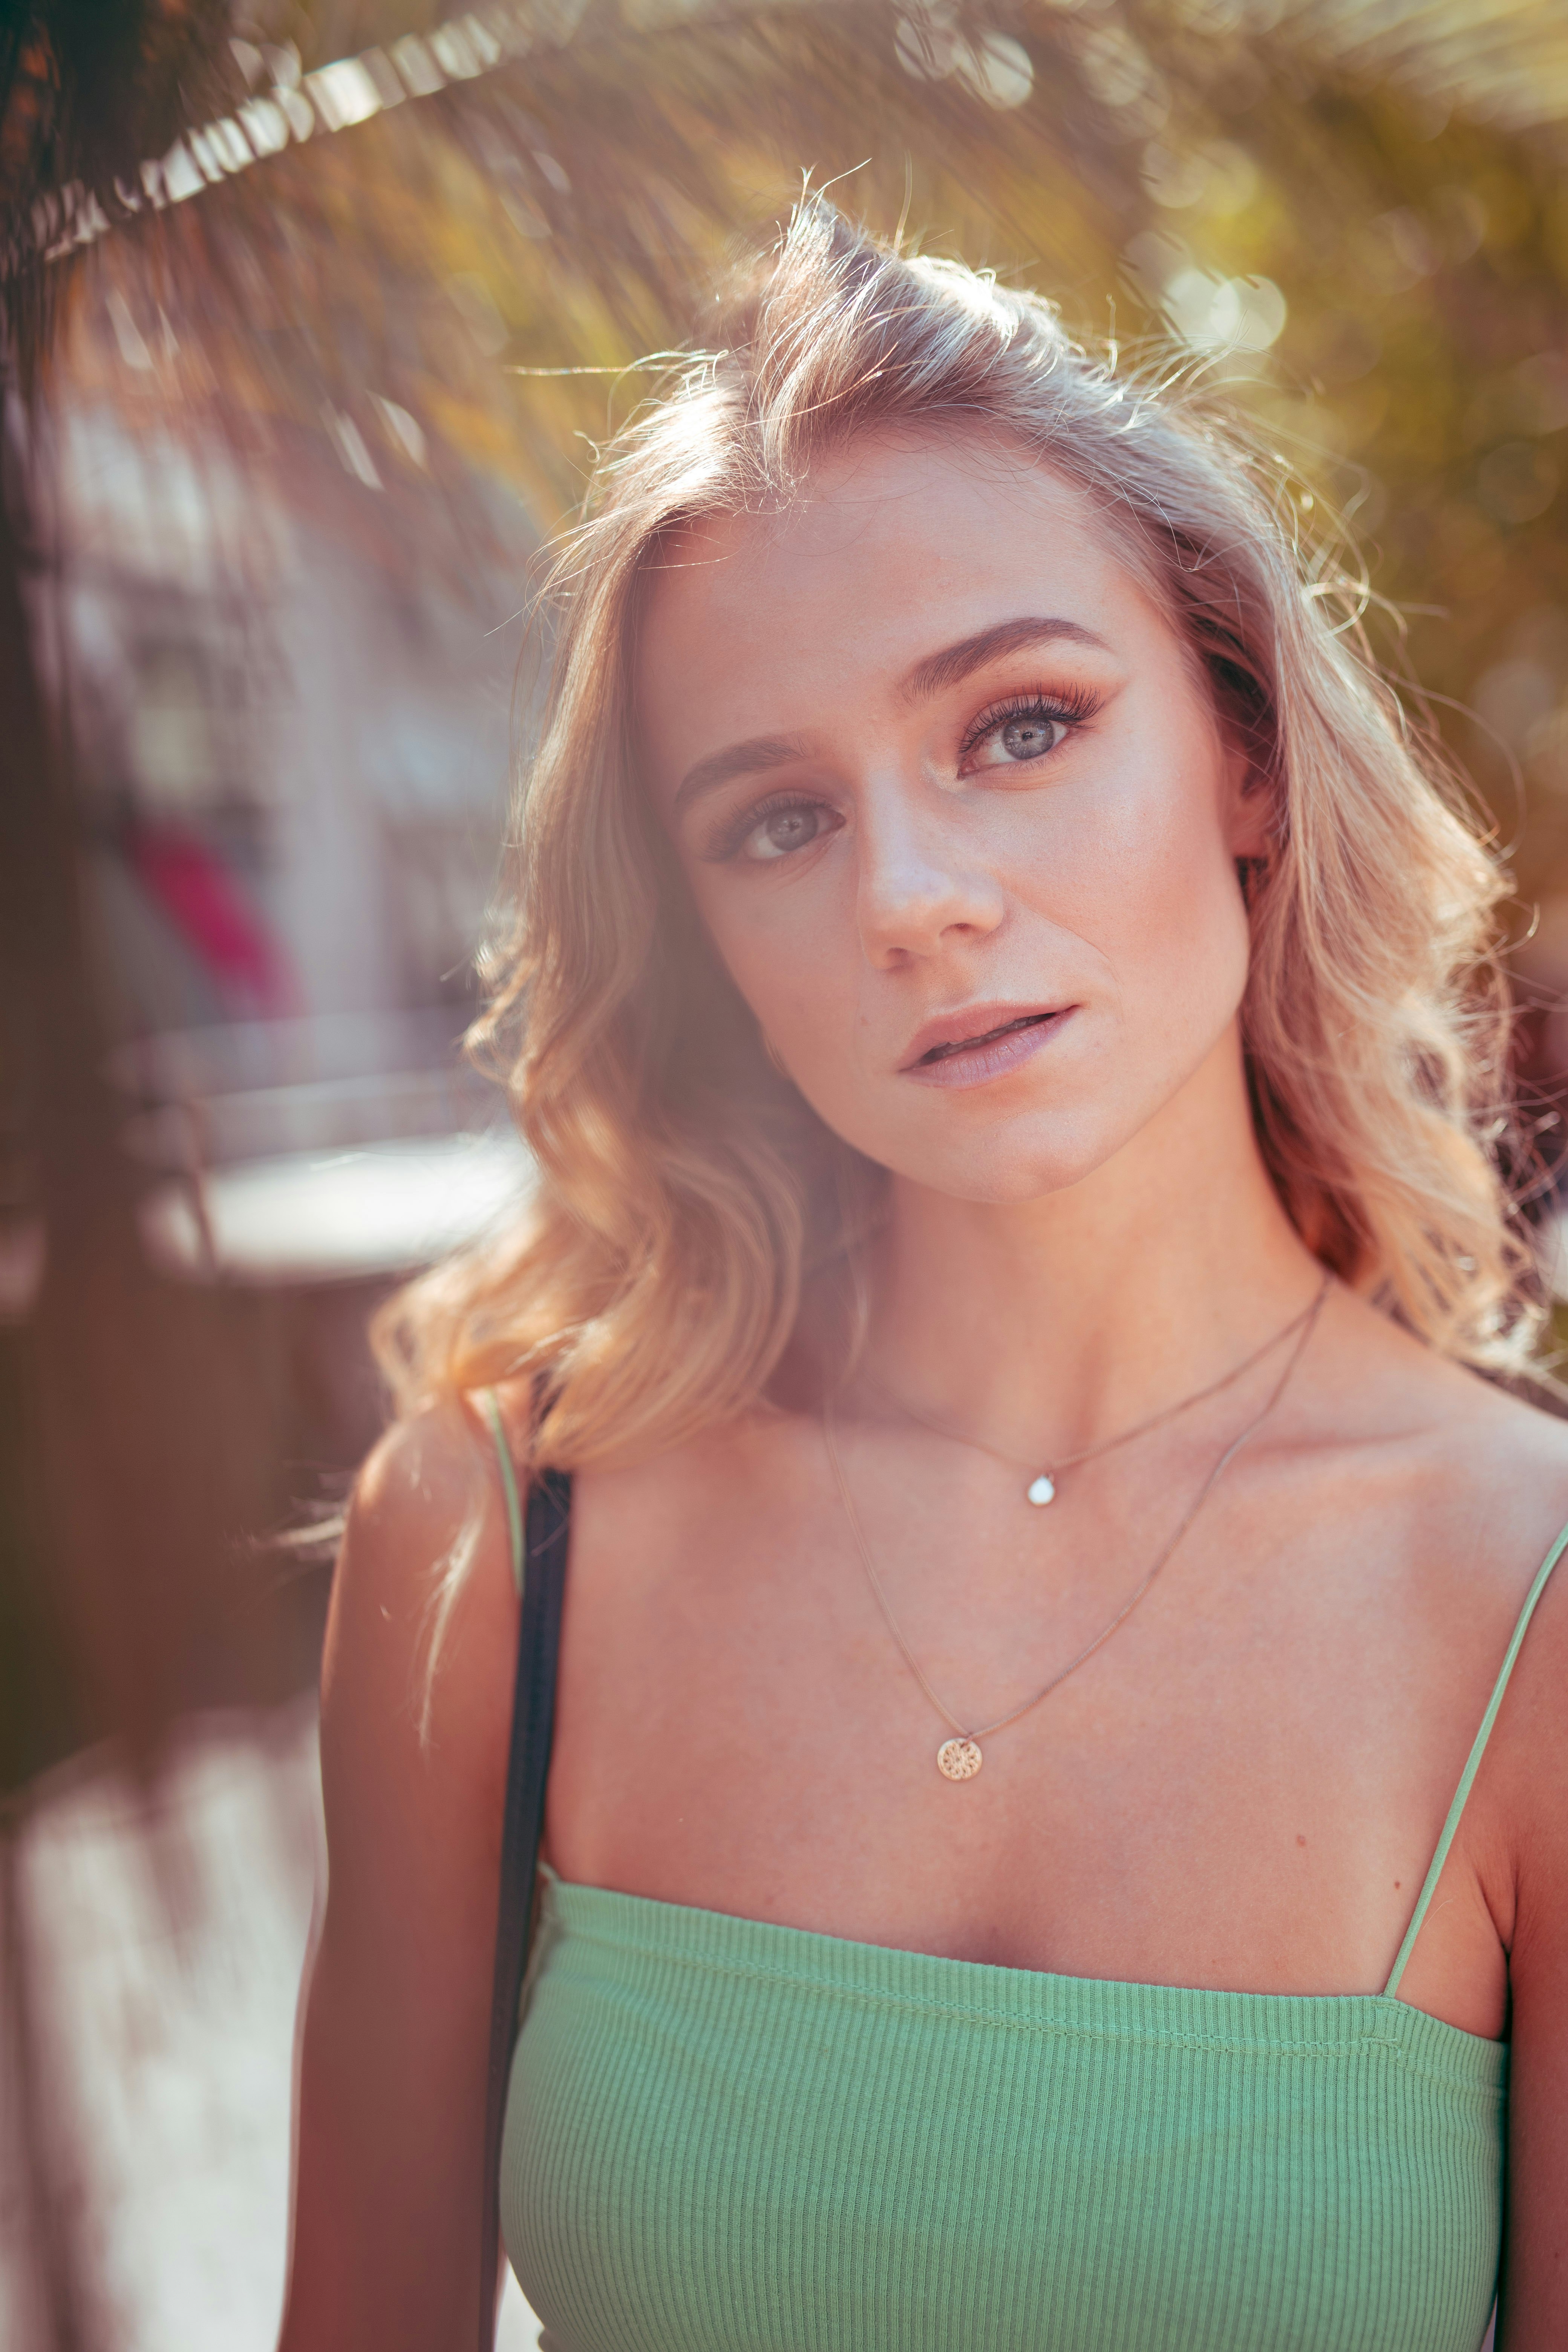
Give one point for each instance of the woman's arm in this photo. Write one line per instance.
(396, 2024)
(1534, 2304)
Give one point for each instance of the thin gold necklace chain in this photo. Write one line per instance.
(1306, 1322)
(1124, 1437)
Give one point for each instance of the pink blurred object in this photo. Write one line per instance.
(201, 898)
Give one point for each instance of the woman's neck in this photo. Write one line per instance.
(1070, 1315)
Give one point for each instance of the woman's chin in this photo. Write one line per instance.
(1006, 1172)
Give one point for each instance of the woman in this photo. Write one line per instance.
(1000, 1003)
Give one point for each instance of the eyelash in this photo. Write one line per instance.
(1071, 707)
(726, 840)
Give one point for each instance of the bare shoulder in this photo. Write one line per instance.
(1522, 1471)
(416, 1676)
(1496, 1467)
(1521, 1850)
(416, 1692)
(1511, 1453)
(1489, 1458)
(418, 1489)
(684, 1501)
(1461, 1485)
(1517, 1453)
(1514, 1451)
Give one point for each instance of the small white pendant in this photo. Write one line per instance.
(1041, 1490)
(959, 1760)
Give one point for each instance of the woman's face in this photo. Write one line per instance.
(956, 809)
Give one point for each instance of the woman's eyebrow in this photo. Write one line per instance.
(936, 672)
(749, 759)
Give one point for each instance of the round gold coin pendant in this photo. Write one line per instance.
(959, 1760)
(1041, 1490)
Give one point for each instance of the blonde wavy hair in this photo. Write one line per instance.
(683, 1188)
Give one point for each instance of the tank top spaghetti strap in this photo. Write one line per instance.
(491, 1405)
(1473, 1764)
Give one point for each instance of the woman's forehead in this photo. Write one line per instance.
(894, 548)
(880, 491)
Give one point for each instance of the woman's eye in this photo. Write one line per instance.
(784, 830)
(1026, 735)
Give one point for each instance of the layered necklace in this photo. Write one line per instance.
(960, 1757)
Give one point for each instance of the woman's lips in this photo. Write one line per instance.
(971, 1061)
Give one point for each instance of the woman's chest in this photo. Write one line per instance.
(1241, 1789)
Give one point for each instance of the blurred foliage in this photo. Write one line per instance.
(86, 93)
(563, 209)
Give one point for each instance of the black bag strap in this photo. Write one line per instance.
(539, 1546)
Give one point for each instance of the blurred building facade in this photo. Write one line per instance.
(290, 733)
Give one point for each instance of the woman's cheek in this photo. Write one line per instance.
(1179, 945)
(780, 952)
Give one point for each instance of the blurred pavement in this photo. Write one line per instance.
(165, 1950)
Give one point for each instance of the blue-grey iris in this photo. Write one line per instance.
(1025, 739)
(790, 828)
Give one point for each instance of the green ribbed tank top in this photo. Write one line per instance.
(725, 2136)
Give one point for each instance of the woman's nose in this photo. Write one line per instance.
(919, 885)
